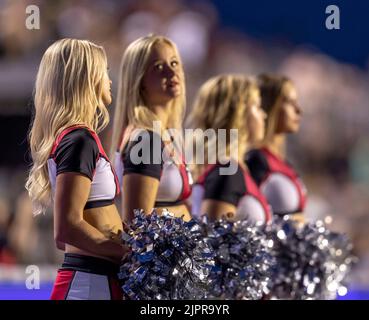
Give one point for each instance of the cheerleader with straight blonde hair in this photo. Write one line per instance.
(71, 171)
(151, 99)
(228, 102)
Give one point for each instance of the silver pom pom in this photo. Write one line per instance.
(242, 260)
(312, 261)
(169, 259)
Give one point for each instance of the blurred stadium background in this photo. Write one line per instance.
(329, 68)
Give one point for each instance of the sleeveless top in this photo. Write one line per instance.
(278, 181)
(146, 154)
(78, 149)
(238, 189)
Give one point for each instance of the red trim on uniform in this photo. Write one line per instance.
(98, 142)
(102, 151)
(115, 289)
(253, 190)
(63, 134)
(7, 257)
(302, 199)
(99, 145)
(277, 165)
(62, 284)
(201, 179)
(186, 190)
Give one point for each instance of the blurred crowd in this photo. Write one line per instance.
(331, 151)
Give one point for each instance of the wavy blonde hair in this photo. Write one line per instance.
(68, 91)
(130, 108)
(221, 103)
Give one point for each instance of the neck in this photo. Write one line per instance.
(162, 112)
(277, 145)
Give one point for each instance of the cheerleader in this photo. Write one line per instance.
(71, 170)
(275, 176)
(224, 102)
(151, 99)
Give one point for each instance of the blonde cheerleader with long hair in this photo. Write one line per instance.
(227, 103)
(71, 171)
(148, 156)
(268, 163)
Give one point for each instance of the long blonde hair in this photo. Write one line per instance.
(221, 103)
(130, 108)
(68, 91)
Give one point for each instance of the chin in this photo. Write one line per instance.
(107, 101)
(173, 93)
(293, 129)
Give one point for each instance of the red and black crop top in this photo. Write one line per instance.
(238, 189)
(78, 149)
(146, 154)
(278, 181)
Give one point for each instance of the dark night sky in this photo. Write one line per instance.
(303, 22)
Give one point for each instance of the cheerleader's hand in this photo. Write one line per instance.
(298, 219)
(117, 237)
(229, 216)
(126, 251)
(125, 227)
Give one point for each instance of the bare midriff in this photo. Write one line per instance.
(298, 218)
(180, 211)
(105, 219)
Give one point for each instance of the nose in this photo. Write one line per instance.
(298, 109)
(169, 72)
(265, 115)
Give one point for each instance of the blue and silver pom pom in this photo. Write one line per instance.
(169, 259)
